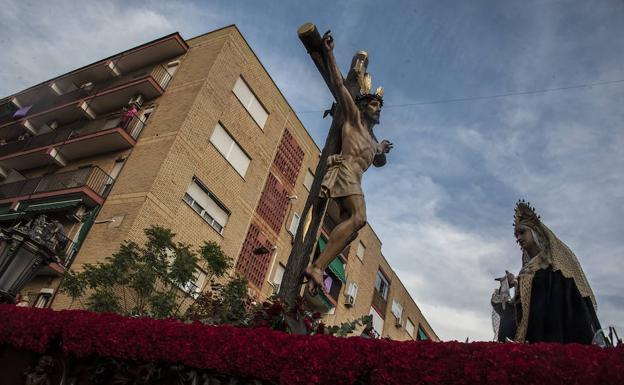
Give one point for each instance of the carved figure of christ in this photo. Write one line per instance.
(342, 181)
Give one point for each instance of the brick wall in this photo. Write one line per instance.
(288, 158)
(254, 266)
(273, 203)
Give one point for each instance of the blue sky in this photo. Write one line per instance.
(443, 205)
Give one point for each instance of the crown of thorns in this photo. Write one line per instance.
(368, 97)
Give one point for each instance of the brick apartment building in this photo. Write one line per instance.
(214, 152)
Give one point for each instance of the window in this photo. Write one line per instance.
(361, 249)
(333, 284)
(206, 205)
(308, 180)
(250, 102)
(43, 298)
(230, 149)
(278, 276)
(421, 334)
(382, 285)
(114, 173)
(378, 322)
(146, 113)
(352, 290)
(397, 309)
(409, 327)
(195, 286)
(172, 67)
(294, 223)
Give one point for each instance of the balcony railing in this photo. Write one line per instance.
(42, 112)
(58, 137)
(161, 75)
(92, 178)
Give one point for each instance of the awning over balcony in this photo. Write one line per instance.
(7, 215)
(38, 207)
(52, 205)
(337, 267)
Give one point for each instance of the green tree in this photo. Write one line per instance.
(227, 303)
(152, 280)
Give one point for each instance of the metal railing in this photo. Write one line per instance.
(66, 255)
(133, 127)
(92, 177)
(159, 73)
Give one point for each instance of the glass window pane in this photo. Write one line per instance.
(352, 290)
(308, 180)
(294, 223)
(202, 201)
(397, 309)
(279, 274)
(221, 140)
(196, 207)
(242, 92)
(378, 322)
(239, 160)
(258, 112)
(217, 213)
(409, 328)
(199, 279)
(360, 251)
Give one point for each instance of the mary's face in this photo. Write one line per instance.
(524, 237)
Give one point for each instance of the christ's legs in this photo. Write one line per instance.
(341, 235)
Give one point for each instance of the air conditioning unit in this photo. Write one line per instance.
(137, 99)
(79, 214)
(397, 321)
(276, 288)
(349, 300)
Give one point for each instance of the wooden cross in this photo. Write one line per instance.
(315, 205)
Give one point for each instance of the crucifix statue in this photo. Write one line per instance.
(351, 147)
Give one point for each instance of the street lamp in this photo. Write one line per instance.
(23, 251)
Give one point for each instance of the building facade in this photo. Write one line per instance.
(192, 135)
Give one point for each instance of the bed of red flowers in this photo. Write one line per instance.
(297, 359)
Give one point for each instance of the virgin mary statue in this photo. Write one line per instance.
(553, 301)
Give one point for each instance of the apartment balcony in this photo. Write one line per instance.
(143, 56)
(90, 183)
(73, 142)
(64, 257)
(90, 101)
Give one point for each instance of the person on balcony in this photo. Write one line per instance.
(127, 115)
